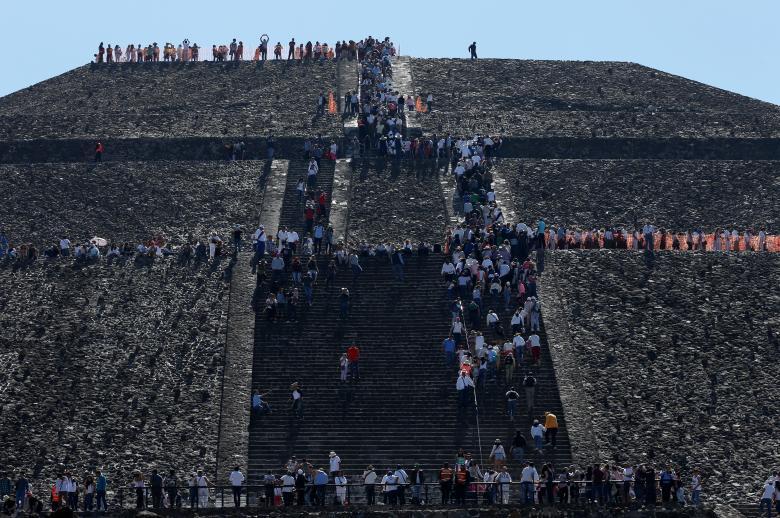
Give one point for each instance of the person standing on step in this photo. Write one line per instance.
(473, 50)
(296, 396)
(518, 446)
(462, 479)
(494, 323)
(300, 188)
(498, 454)
(288, 489)
(343, 367)
(335, 463)
(353, 357)
(402, 480)
(503, 481)
(449, 351)
(528, 480)
(99, 149)
(417, 481)
(551, 428)
(398, 265)
(389, 486)
(512, 397)
(537, 434)
(465, 388)
(445, 483)
(236, 482)
(300, 487)
(369, 484)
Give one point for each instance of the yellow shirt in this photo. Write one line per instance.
(550, 421)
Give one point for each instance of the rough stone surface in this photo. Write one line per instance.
(391, 202)
(114, 367)
(677, 195)
(127, 200)
(582, 98)
(237, 385)
(670, 362)
(172, 99)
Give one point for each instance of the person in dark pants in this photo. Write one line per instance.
(99, 152)
(236, 481)
(170, 487)
(300, 488)
(194, 491)
(156, 482)
(667, 481)
(461, 484)
(473, 50)
(445, 483)
(369, 483)
(268, 482)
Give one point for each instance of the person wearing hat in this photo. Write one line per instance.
(335, 463)
(498, 454)
(369, 484)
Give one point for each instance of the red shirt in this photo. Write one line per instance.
(353, 353)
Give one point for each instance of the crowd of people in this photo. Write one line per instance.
(301, 483)
(97, 250)
(234, 51)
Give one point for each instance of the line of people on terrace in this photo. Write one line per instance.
(300, 482)
(234, 51)
(97, 249)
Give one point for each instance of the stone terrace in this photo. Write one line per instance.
(677, 195)
(393, 201)
(115, 367)
(127, 200)
(669, 363)
(582, 99)
(172, 100)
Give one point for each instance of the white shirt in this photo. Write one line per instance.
(293, 237)
(335, 463)
(529, 474)
(259, 235)
(288, 482)
(463, 382)
(448, 268)
(769, 490)
(64, 244)
(369, 478)
(236, 478)
(628, 473)
(535, 340)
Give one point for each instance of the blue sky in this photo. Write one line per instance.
(729, 44)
